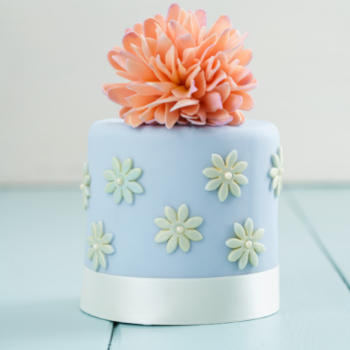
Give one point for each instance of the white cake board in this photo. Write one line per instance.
(158, 301)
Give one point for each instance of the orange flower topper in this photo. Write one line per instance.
(181, 73)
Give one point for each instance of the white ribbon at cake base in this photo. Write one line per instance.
(165, 301)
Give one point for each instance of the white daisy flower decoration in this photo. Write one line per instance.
(276, 172)
(85, 186)
(246, 244)
(122, 181)
(226, 175)
(177, 229)
(100, 246)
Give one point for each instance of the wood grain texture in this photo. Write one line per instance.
(326, 214)
(315, 307)
(42, 235)
(42, 238)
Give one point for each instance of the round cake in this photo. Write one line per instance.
(182, 192)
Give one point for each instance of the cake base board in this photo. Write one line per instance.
(190, 301)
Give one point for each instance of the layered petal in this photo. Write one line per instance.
(180, 73)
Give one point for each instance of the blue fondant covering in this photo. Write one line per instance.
(172, 162)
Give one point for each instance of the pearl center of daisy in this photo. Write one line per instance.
(96, 247)
(180, 230)
(248, 244)
(228, 175)
(120, 181)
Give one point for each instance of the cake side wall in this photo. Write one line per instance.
(172, 162)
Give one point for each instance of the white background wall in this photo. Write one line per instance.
(53, 62)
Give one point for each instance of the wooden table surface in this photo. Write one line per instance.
(41, 263)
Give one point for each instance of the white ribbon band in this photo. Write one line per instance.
(162, 301)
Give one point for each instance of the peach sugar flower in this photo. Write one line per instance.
(181, 73)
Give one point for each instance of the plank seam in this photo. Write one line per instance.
(299, 212)
(114, 325)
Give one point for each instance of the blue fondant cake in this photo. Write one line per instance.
(182, 193)
(168, 165)
(171, 176)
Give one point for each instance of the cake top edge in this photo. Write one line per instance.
(119, 127)
(179, 72)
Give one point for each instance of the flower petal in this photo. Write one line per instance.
(239, 167)
(193, 222)
(212, 101)
(99, 230)
(87, 191)
(127, 165)
(87, 180)
(211, 172)
(163, 223)
(233, 102)
(239, 231)
(90, 253)
(253, 258)
(107, 249)
(258, 234)
(182, 213)
(248, 225)
(119, 92)
(223, 192)
(85, 201)
(273, 172)
(240, 179)
(231, 159)
(235, 254)
(93, 229)
(280, 154)
(243, 260)
(193, 235)
(170, 213)
(234, 243)
(218, 161)
(213, 184)
(86, 169)
(95, 263)
(275, 160)
(107, 238)
(162, 236)
(118, 195)
(184, 243)
(184, 103)
(222, 23)
(172, 245)
(134, 187)
(173, 13)
(116, 165)
(133, 174)
(259, 248)
(275, 182)
(245, 57)
(90, 241)
(247, 101)
(235, 189)
(201, 17)
(109, 175)
(110, 187)
(102, 259)
(279, 185)
(128, 195)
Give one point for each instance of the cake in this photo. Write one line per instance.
(181, 191)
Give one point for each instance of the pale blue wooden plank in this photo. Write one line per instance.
(326, 212)
(42, 245)
(315, 308)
